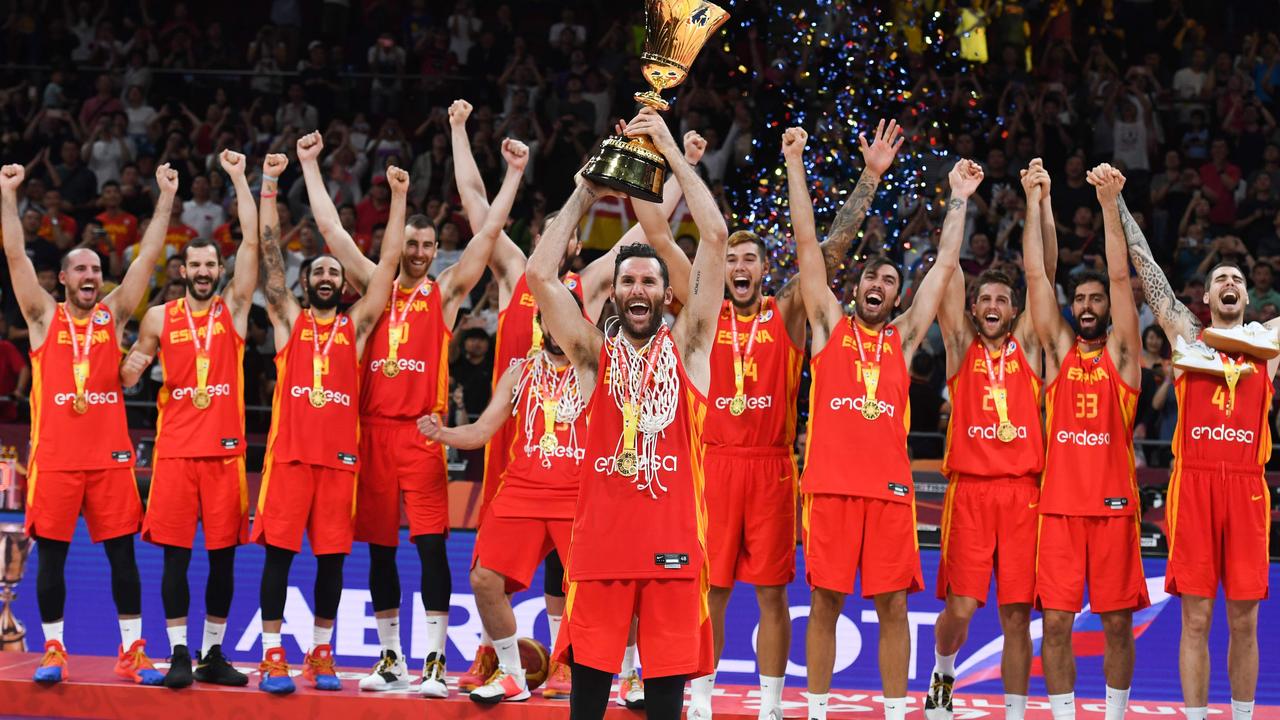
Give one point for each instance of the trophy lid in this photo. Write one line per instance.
(675, 31)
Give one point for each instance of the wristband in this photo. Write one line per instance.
(271, 178)
(267, 195)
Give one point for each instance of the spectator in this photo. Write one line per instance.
(375, 208)
(472, 367)
(297, 112)
(1253, 218)
(56, 226)
(200, 213)
(387, 60)
(1262, 292)
(1219, 178)
(449, 251)
(121, 227)
(576, 31)
(103, 104)
(15, 375)
(76, 184)
(929, 412)
(106, 151)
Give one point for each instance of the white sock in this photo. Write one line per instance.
(818, 705)
(270, 641)
(1241, 709)
(321, 636)
(554, 622)
(1196, 713)
(389, 634)
(771, 692)
(700, 690)
(177, 635)
(130, 631)
(944, 664)
(437, 626)
(1015, 707)
(629, 661)
(1117, 703)
(895, 708)
(52, 631)
(1063, 706)
(486, 641)
(509, 655)
(213, 634)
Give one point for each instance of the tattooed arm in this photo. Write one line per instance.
(1175, 318)
(282, 306)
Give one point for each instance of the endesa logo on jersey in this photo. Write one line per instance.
(332, 396)
(988, 432)
(855, 404)
(1083, 439)
(405, 365)
(219, 390)
(666, 463)
(1223, 434)
(754, 402)
(561, 452)
(93, 398)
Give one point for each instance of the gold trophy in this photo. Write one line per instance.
(674, 33)
(15, 546)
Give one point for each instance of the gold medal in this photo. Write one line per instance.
(316, 396)
(1006, 432)
(80, 360)
(871, 380)
(870, 408)
(320, 359)
(391, 367)
(201, 399)
(737, 405)
(80, 404)
(548, 443)
(396, 334)
(626, 462)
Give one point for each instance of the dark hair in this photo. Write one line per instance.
(107, 184)
(418, 221)
(304, 269)
(1164, 339)
(742, 237)
(1087, 276)
(640, 250)
(992, 276)
(475, 332)
(197, 244)
(546, 220)
(875, 262)
(1230, 264)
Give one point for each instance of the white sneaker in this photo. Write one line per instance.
(631, 691)
(1253, 339)
(391, 673)
(1199, 357)
(502, 686)
(700, 710)
(773, 712)
(433, 677)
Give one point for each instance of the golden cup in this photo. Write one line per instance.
(15, 547)
(675, 31)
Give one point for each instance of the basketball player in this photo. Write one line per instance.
(1088, 496)
(859, 412)
(519, 335)
(750, 432)
(1220, 446)
(995, 452)
(309, 471)
(81, 455)
(198, 474)
(639, 547)
(403, 377)
(532, 512)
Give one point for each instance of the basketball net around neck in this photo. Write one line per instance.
(657, 402)
(538, 382)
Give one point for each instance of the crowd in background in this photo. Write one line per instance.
(1181, 95)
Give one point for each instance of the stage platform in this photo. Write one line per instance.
(94, 691)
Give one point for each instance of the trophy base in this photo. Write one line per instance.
(629, 165)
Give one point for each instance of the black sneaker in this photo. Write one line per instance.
(214, 669)
(179, 675)
(937, 704)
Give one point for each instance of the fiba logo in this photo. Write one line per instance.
(753, 402)
(93, 398)
(1083, 439)
(988, 432)
(1222, 433)
(332, 396)
(219, 390)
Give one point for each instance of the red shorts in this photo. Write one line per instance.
(515, 547)
(845, 534)
(108, 498)
(397, 460)
(751, 515)
(673, 627)
(1101, 552)
(989, 523)
(301, 497)
(1219, 518)
(185, 491)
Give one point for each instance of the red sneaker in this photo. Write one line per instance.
(482, 668)
(558, 682)
(134, 665)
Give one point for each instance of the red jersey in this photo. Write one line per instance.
(622, 530)
(1088, 468)
(771, 380)
(183, 429)
(536, 483)
(1214, 427)
(300, 432)
(121, 228)
(66, 222)
(61, 438)
(846, 453)
(973, 445)
(420, 384)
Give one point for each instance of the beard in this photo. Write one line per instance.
(641, 328)
(1099, 329)
(1001, 330)
(198, 294)
(868, 316)
(322, 303)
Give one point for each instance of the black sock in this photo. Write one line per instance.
(437, 583)
(126, 587)
(275, 582)
(51, 582)
(174, 590)
(384, 578)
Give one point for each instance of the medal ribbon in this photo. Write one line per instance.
(870, 371)
(318, 356)
(551, 402)
(80, 359)
(740, 356)
(202, 351)
(999, 393)
(396, 322)
(1231, 373)
(631, 406)
(535, 346)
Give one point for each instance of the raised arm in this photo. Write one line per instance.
(144, 348)
(877, 156)
(282, 306)
(355, 265)
(457, 280)
(377, 293)
(129, 293)
(577, 335)
(820, 304)
(1048, 227)
(964, 179)
(1125, 340)
(474, 435)
(37, 306)
(245, 279)
(1174, 317)
(953, 319)
(1055, 334)
(656, 231)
